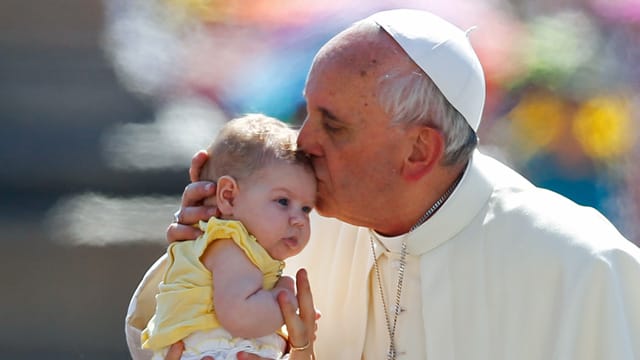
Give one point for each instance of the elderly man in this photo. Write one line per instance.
(436, 250)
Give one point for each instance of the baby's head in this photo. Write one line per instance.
(263, 181)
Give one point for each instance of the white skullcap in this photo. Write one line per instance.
(444, 53)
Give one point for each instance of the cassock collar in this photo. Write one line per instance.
(464, 203)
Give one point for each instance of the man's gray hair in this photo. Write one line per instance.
(411, 98)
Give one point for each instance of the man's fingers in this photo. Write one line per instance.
(301, 322)
(175, 351)
(192, 214)
(191, 211)
(197, 162)
(178, 232)
(305, 298)
(196, 192)
(308, 312)
(298, 334)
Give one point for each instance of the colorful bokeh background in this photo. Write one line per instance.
(103, 103)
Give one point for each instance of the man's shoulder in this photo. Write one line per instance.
(545, 219)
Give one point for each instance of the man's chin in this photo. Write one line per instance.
(323, 208)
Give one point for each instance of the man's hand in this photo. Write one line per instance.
(192, 208)
(191, 211)
(300, 320)
(197, 163)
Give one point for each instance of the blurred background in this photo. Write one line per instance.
(103, 103)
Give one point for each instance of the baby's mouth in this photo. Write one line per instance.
(291, 241)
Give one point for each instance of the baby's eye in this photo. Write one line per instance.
(283, 201)
(307, 209)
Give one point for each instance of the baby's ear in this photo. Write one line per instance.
(226, 191)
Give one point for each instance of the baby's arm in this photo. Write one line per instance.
(242, 306)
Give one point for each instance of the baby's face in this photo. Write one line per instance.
(274, 205)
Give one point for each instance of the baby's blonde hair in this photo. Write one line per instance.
(247, 144)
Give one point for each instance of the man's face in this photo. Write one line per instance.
(357, 154)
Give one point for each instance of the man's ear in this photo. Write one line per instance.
(226, 192)
(425, 152)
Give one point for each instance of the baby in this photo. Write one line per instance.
(218, 294)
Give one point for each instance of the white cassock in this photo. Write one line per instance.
(503, 270)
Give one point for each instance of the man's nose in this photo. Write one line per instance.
(308, 138)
